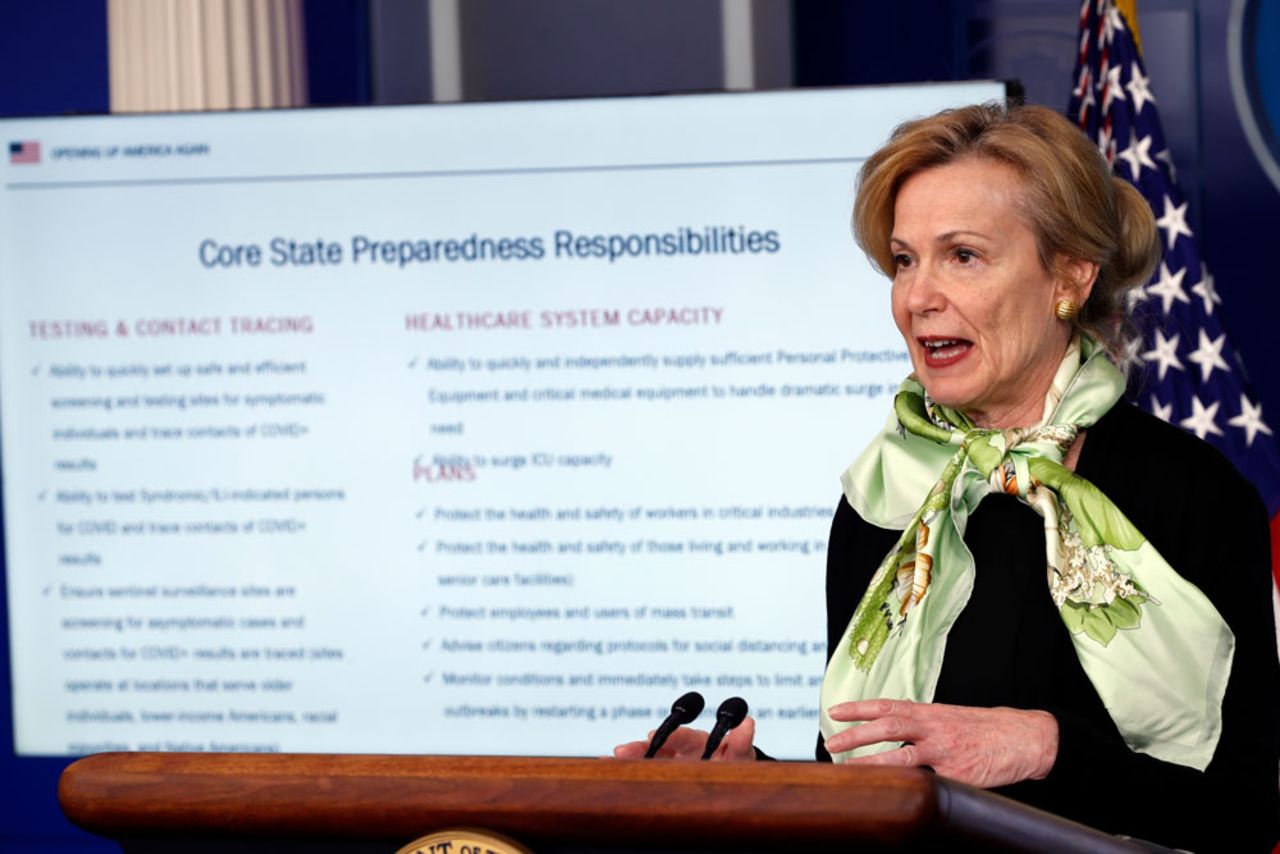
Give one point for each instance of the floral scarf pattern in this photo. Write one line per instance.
(1152, 644)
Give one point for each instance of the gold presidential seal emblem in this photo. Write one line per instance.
(464, 840)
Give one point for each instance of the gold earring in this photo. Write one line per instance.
(1065, 309)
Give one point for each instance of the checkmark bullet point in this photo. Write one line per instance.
(48, 588)
(427, 677)
(426, 611)
(426, 644)
(421, 513)
(40, 496)
(413, 363)
(35, 370)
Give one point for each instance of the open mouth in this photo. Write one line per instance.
(940, 352)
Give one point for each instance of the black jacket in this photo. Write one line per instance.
(1010, 648)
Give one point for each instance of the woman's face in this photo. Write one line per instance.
(970, 296)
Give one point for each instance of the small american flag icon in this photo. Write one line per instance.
(24, 152)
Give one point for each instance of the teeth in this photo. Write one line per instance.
(938, 345)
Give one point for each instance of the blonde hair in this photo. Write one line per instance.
(1070, 199)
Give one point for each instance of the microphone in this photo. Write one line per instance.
(731, 713)
(683, 711)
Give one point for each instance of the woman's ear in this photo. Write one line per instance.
(1076, 279)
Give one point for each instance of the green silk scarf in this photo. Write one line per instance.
(1154, 647)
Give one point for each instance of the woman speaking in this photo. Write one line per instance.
(1032, 585)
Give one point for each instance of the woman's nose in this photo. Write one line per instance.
(924, 293)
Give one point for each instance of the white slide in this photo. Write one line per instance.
(459, 429)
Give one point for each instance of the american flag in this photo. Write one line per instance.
(1193, 377)
(24, 152)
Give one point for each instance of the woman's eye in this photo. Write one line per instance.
(964, 256)
(901, 260)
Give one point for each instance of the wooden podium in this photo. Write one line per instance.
(310, 802)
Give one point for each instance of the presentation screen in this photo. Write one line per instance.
(482, 428)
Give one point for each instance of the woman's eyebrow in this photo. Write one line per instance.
(952, 235)
(945, 237)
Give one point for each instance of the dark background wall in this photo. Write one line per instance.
(53, 60)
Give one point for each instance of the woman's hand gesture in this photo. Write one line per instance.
(978, 746)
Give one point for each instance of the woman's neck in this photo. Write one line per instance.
(1029, 409)
(1024, 414)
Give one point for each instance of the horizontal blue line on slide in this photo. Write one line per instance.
(439, 173)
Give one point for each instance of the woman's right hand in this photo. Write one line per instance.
(686, 744)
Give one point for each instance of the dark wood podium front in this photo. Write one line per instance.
(311, 802)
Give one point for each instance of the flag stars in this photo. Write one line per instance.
(1209, 355)
(1165, 354)
(1198, 391)
(1250, 421)
(1174, 220)
(1115, 91)
(1169, 287)
(1106, 144)
(1086, 94)
(1137, 87)
(1206, 291)
(1132, 353)
(1136, 155)
(1202, 421)
(1111, 24)
(1135, 296)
